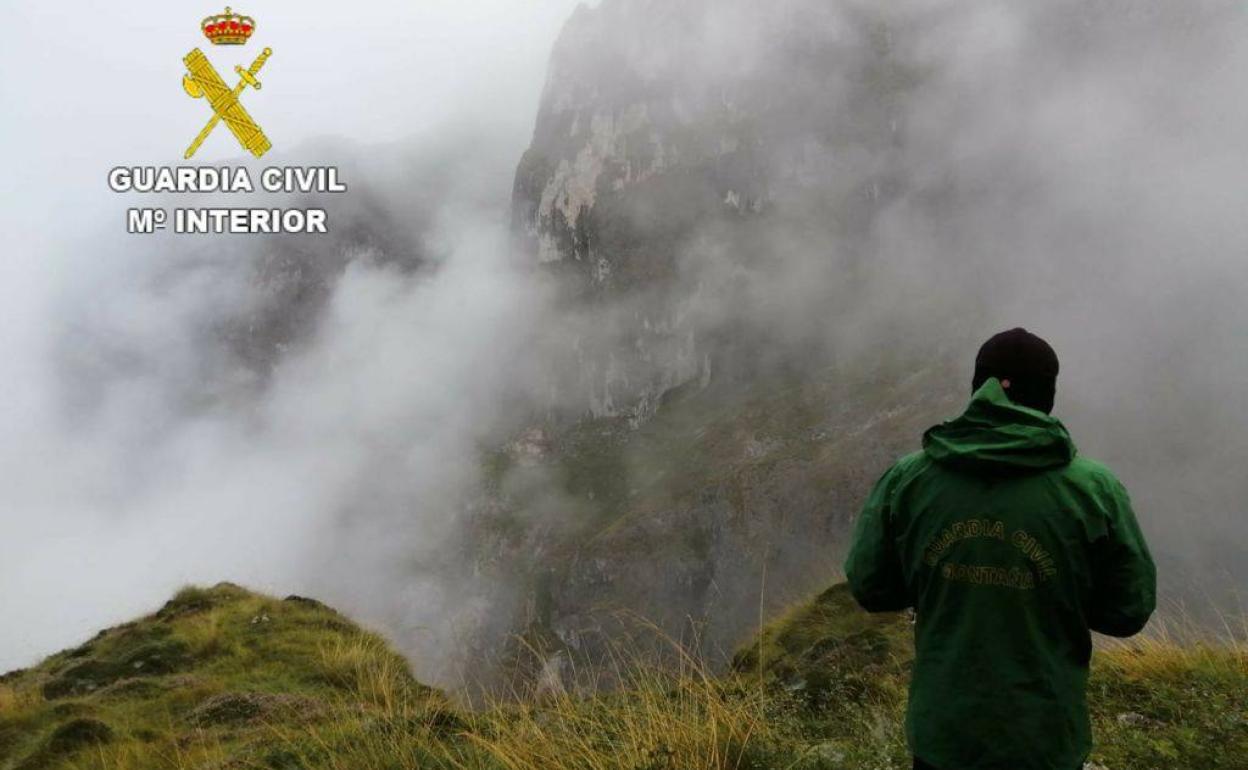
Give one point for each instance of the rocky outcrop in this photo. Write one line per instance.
(680, 150)
(703, 180)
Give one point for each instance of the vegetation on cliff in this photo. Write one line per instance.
(225, 678)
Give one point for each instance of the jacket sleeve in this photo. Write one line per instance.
(1124, 579)
(873, 567)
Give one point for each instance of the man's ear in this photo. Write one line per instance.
(1005, 384)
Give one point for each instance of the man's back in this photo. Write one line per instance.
(1010, 549)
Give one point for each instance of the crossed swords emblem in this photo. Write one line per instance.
(202, 81)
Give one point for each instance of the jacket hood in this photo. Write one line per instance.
(995, 435)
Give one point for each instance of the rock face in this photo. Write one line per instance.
(682, 150)
(721, 508)
(703, 179)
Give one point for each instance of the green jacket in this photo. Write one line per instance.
(1010, 548)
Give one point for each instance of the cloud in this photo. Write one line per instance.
(292, 413)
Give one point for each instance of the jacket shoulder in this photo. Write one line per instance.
(899, 475)
(908, 468)
(1092, 475)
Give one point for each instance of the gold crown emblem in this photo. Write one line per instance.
(228, 28)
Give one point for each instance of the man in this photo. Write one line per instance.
(1010, 548)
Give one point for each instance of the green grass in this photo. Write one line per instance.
(206, 676)
(1158, 701)
(223, 678)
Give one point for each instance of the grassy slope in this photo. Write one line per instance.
(223, 678)
(204, 678)
(1155, 703)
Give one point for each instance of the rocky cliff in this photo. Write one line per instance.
(692, 163)
(703, 180)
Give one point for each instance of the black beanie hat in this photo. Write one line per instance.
(1026, 361)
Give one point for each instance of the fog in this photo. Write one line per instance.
(930, 173)
(1075, 168)
(1100, 167)
(151, 441)
(871, 192)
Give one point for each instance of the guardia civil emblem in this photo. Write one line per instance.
(202, 81)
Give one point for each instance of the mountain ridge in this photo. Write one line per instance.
(223, 677)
